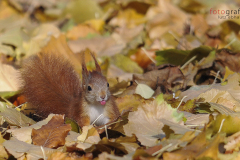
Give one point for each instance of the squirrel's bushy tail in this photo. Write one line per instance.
(50, 83)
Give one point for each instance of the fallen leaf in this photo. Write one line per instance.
(105, 155)
(126, 64)
(142, 57)
(168, 77)
(106, 146)
(87, 131)
(59, 45)
(87, 9)
(228, 124)
(129, 18)
(221, 97)
(165, 17)
(8, 78)
(200, 147)
(144, 90)
(80, 31)
(21, 149)
(24, 133)
(145, 122)
(3, 153)
(53, 134)
(233, 142)
(227, 58)
(15, 117)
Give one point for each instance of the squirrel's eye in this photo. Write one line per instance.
(107, 84)
(89, 88)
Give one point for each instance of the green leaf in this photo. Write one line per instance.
(180, 57)
(73, 124)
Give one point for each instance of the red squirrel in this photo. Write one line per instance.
(51, 84)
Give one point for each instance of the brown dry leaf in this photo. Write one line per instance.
(191, 70)
(168, 77)
(80, 31)
(227, 58)
(24, 133)
(165, 17)
(53, 134)
(59, 45)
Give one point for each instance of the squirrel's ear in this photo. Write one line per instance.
(98, 68)
(85, 72)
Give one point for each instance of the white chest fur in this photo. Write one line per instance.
(95, 111)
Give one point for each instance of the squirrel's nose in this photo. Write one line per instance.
(102, 96)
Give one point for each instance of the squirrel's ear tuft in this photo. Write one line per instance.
(85, 72)
(98, 68)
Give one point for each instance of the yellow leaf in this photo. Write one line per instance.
(227, 73)
(96, 24)
(144, 90)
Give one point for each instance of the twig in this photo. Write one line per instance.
(96, 119)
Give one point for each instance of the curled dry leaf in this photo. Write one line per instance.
(168, 77)
(53, 134)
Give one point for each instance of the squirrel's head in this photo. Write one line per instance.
(94, 84)
(97, 88)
